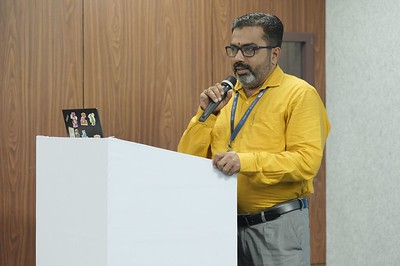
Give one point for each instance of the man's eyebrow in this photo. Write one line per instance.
(246, 44)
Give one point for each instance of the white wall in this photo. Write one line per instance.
(363, 150)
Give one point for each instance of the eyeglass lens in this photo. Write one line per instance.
(247, 50)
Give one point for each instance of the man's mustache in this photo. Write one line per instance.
(241, 65)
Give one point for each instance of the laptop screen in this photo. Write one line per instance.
(83, 123)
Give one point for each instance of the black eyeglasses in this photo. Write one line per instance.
(247, 50)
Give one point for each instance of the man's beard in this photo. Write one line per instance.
(249, 80)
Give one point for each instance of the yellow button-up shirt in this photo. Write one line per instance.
(280, 145)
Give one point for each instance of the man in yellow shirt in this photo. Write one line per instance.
(270, 130)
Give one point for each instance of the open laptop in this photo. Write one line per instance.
(83, 123)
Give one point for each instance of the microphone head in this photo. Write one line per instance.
(229, 81)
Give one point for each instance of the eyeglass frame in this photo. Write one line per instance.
(254, 49)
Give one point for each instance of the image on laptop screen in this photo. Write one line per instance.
(83, 123)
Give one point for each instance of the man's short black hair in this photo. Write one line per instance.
(271, 24)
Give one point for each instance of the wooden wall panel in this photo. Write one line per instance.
(142, 63)
(145, 65)
(297, 16)
(40, 70)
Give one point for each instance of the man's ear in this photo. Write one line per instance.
(275, 53)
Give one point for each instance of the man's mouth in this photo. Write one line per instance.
(241, 70)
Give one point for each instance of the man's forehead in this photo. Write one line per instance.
(248, 35)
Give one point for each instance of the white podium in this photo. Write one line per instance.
(112, 202)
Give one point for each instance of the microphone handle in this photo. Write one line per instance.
(212, 105)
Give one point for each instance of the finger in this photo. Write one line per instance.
(216, 159)
(233, 163)
(228, 96)
(206, 97)
(227, 168)
(220, 164)
(220, 88)
(215, 92)
(220, 161)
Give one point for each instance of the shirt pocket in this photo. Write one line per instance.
(268, 130)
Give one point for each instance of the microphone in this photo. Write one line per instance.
(228, 84)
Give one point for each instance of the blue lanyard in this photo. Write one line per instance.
(235, 131)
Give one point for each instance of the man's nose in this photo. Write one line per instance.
(239, 57)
